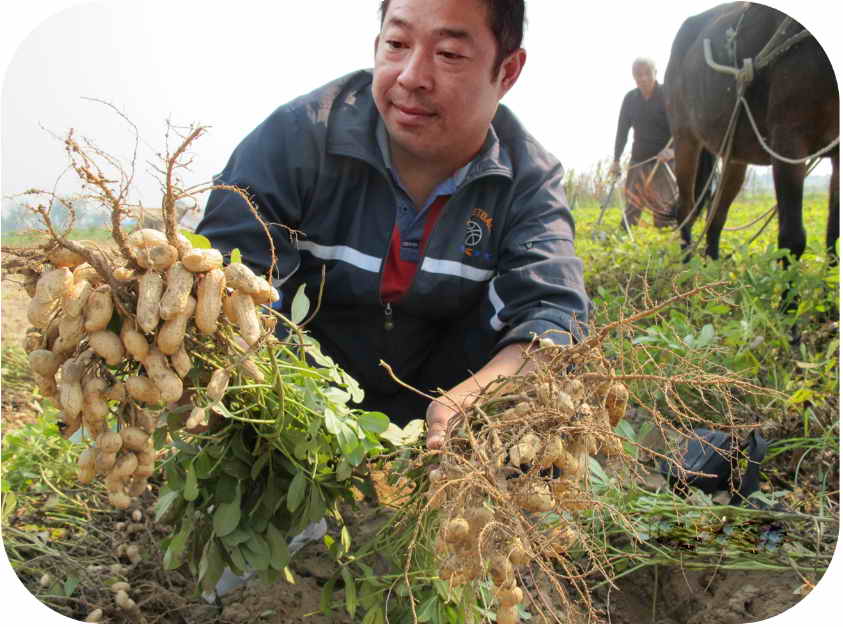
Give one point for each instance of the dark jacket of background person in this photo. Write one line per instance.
(499, 265)
(649, 120)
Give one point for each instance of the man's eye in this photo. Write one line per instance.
(394, 45)
(451, 56)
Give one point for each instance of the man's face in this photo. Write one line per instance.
(433, 82)
(644, 77)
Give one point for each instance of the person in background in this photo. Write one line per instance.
(648, 180)
(440, 221)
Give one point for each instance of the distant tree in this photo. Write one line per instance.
(16, 217)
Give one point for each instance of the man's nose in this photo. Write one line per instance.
(417, 71)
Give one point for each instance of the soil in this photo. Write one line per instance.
(663, 595)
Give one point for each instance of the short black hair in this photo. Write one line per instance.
(506, 19)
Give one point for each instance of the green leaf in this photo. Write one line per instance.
(350, 592)
(272, 493)
(204, 465)
(235, 256)
(332, 424)
(166, 500)
(238, 536)
(212, 566)
(70, 585)
(800, 396)
(706, 335)
(625, 429)
(238, 563)
(256, 552)
(346, 438)
(226, 518)
(327, 597)
(237, 469)
(345, 539)
(191, 485)
(343, 470)
(196, 240)
(316, 506)
(226, 489)
(597, 471)
(427, 609)
(410, 434)
(173, 554)
(300, 306)
(374, 421)
(259, 465)
(295, 495)
(279, 552)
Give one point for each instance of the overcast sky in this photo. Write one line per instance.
(228, 65)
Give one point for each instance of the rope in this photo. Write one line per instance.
(811, 167)
(776, 155)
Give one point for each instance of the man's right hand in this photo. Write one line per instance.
(615, 169)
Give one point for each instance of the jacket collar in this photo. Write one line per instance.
(352, 132)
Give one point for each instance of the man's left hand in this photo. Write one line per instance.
(665, 155)
(439, 414)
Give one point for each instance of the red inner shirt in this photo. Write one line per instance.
(397, 273)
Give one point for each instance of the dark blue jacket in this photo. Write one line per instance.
(499, 264)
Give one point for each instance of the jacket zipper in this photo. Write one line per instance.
(388, 322)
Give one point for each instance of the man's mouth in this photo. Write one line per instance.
(417, 113)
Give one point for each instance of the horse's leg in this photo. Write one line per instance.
(789, 180)
(686, 153)
(730, 185)
(833, 229)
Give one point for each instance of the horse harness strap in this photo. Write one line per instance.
(745, 74)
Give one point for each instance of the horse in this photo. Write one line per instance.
(751, 85)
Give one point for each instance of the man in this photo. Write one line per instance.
(441, 223)
(648, 181)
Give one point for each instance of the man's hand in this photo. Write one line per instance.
(508, 361)
(665, 155)
(615, 169)
(439, 414)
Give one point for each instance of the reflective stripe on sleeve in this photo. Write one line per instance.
(342, 253)
(497, 303)
(455, 268)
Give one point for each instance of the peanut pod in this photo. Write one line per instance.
(181, 361)
(107, 345)
(53, 284)
(165, 379)
(134, 341)
(179, 284)
(218, 384)
(73, 302)
(171, 333)
(202, 259)
(246, 316)
(150, 290)
(143, 389)
(99, 309)
(209, 296)
(239, 276)
(44, 362)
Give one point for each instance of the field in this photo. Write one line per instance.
(51, 525)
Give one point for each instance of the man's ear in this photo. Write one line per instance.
(511, 70)
(377, 40)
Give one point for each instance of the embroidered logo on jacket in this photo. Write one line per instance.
(476, 228)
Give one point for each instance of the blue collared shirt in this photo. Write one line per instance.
(409, 221)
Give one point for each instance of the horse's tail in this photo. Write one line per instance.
(704, 184)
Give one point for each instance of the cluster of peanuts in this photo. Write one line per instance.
(95, 361)
(534, 451)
